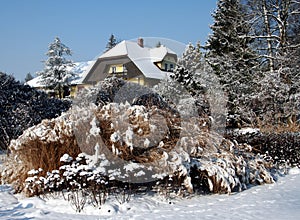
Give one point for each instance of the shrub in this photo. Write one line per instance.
(132, 144)
(22, 107)
(284, 148)
(40, 148)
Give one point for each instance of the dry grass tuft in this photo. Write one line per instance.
(40, 147)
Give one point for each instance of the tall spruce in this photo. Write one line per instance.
(231, 57)
(56, 74)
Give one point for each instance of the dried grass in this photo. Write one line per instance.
(279, 126)
(34, 152)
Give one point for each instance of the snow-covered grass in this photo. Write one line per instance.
(280, 200)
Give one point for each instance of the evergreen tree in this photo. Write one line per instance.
(111, 42)
(56, 74)
(187, 68)
(28, 77)
(231, 57)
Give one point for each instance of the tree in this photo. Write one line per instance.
(187, 67)
(273, 26)
(28, 77)
(56, 74)
(111, 42)
(22, 106)
(230, 55)
(158, 44)
(275, 32)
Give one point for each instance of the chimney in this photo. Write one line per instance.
(140, 42)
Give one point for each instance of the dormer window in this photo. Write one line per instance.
(166, 66)
(171, 66)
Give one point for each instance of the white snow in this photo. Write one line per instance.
(280, 200)
(247, 130)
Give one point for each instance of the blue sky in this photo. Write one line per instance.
(28, 26)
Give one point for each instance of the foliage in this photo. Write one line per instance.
(56, 74)
(233, 60)
(112, 42)
(135, 144)
(187, 68)
(28, 77)
(22, 107)
(284, 147)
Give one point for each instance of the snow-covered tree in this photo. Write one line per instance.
(22, 106)
(273, 25)
(187, 67)
(231, 57)
(275, 35)
(56, 74)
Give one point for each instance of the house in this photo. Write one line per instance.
(129, 60)
(134, 62)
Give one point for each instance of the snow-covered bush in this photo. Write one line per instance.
(22, 107)
(131, 144)
(40, 147)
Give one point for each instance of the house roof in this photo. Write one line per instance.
(143, 57)
(79, 68)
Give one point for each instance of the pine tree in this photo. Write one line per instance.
(111, 42)
(231, 57)
(56, 75)
(28, 77)
(187, 67)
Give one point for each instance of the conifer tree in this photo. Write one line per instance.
(231, 57)
(28, 77)
(56, 74)
(111, 42)
(187, 68)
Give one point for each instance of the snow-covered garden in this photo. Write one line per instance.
(218, 138)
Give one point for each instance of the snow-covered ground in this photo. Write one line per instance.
(274, 201)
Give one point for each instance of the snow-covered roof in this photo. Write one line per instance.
(143, 57)
(79, 69)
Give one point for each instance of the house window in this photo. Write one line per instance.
(171, 67)
(166, 66)
(113, 69)
(124, 68)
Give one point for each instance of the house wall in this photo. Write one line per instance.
(139, 80)
(150, 82)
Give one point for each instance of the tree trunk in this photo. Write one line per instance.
(269, 39)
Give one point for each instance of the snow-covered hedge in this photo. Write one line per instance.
(284, 148)
(22, 107)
